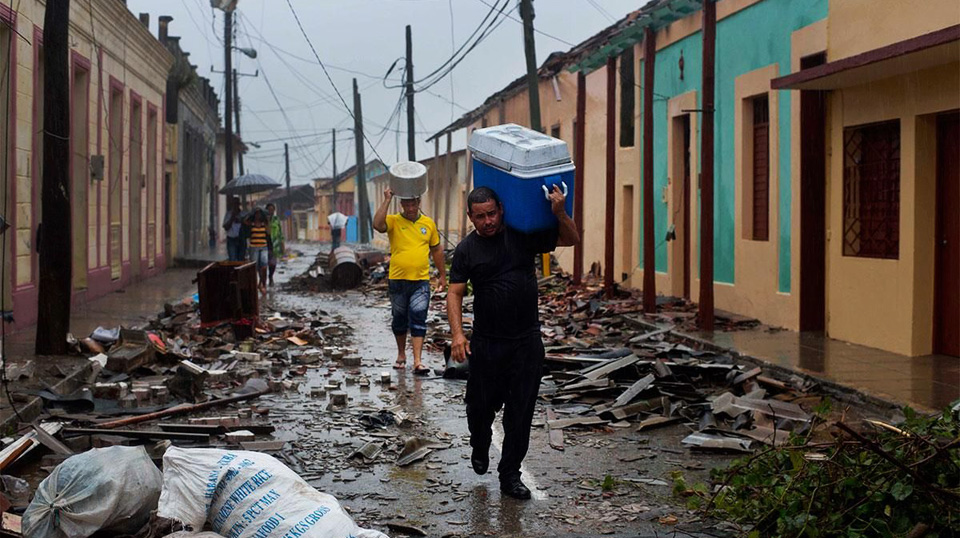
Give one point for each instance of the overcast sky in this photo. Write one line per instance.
(362, 38)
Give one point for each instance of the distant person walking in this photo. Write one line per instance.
(413, 239)
(277, 246)
(259, 244)
(232, 223)
(506, 351)
(337, 222)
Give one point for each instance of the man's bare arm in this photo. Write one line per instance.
(460, 347)
(380, 218)
(441, 262)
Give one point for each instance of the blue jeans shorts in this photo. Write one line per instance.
(259, 255)
(409, 301)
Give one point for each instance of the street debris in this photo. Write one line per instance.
(191, 392)
(103, 489)
(231, 490)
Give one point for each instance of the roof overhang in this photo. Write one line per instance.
(655, 15)
(908, 56)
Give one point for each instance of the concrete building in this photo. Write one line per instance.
(118, 76)
(835, 160)
(192, 123)
(339, 194)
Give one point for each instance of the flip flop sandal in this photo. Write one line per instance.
(399, 365)
(422, 370)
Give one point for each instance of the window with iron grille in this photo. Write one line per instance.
(761, 168)
(871, 190)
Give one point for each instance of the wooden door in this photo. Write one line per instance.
(946, 315)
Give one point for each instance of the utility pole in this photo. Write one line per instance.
(706, 165)
(286, 160)
(530, 50)
(411, 141)
(228, 101)
(333, 133)
(56, 251)
(533, 84)
(289, 204)
(364, 213)
(236, 115)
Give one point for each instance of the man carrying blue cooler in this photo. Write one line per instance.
(506, 351)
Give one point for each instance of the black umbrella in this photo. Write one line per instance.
(249, 184)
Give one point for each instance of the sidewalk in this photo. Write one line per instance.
(930, 382)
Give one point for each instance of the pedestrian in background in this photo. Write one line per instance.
(413, 239)
(232, 223)
(277, 246)
(259, 244)
(506, 351)
(337, 222)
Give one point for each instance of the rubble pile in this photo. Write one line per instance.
(340, 270)
(174, 381)
(609, 366)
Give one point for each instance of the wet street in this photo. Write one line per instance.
(605, 482)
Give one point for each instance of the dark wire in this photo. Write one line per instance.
(330, 79)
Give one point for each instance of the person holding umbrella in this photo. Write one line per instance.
(231, 224)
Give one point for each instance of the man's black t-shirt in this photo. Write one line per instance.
(503, 274)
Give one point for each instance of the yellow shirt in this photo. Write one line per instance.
(410, 244)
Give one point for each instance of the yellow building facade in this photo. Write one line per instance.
(118, 74)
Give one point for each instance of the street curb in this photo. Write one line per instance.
(837, 391)
(34, 407)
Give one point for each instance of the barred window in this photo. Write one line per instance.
(871, 191)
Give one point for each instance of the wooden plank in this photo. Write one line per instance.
(559, 424)
(139, 434)
(588, 384)
(51, 442)
(644, 406)
(641, 385)
(610, 367)
(555, 435)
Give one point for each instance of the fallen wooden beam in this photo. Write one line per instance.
(139, 434)
(561, 423)
(554, 435)
(641, 385)
(181, 410)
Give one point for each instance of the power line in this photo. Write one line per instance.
(541, 32)
(602, 11)
(327, 73)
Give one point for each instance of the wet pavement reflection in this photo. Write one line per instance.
(441, 494)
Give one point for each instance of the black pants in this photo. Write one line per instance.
(504, 373)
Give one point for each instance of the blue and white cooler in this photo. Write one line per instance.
(522, 166)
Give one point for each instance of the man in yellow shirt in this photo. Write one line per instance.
(413, 239)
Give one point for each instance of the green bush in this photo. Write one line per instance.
(847, 487)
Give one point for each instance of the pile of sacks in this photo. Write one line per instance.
(234, 493)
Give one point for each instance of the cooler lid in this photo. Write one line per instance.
(519, 150)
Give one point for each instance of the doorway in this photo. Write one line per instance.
(946, 311)
(79, 126)
(626, 236)
(813, 232)
(679, 234)
(115, 185)
(136, 185)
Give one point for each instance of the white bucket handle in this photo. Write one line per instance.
(546, 191)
